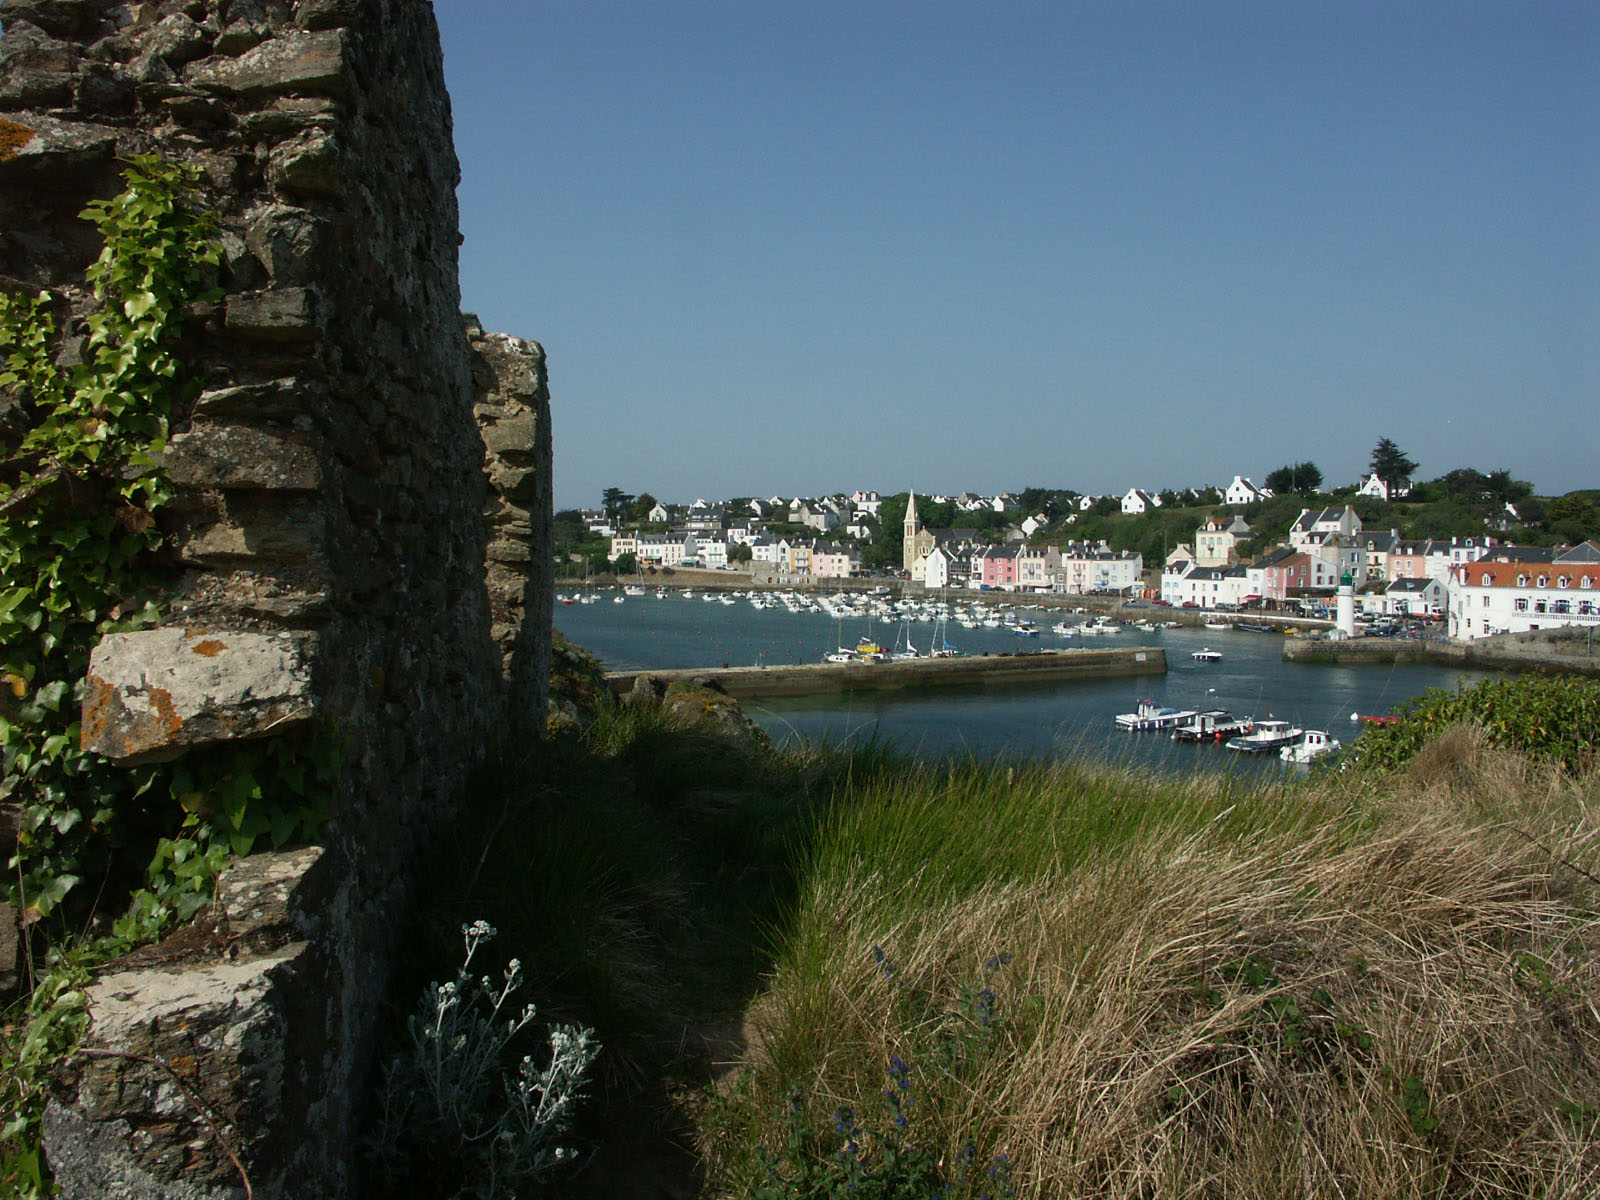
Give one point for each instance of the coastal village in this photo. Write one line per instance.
(1476, 585)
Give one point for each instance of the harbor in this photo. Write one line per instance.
(990, 712)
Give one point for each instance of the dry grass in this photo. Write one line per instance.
(1390, 991)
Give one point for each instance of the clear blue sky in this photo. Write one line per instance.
(801, 247)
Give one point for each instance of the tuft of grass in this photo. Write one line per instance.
(1382, 985)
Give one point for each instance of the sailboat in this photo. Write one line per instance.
(907, 652)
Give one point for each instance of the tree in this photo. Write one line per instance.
(1390, 463)
(642, 506)
(740, 553)
(1302, 477)
(615, 501)
(624, 564)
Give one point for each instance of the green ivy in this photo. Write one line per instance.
(79, 493)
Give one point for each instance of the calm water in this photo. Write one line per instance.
(1042, 719)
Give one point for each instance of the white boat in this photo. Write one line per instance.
(1268, 735)
(616, 599)
(1150, 715)
(1207, 655)
(1219, 625)
(1312, 743)
(1214, 725)
(633, 589)
(840, 656)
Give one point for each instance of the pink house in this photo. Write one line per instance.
(996, 567)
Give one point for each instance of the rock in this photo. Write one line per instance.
(306, 163)
(157, 692)
(242, 456)
(311, 61)
(278, 400)
(275, 315)
(54, 145)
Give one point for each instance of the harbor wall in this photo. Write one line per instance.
(817, 679)
(1559, 651)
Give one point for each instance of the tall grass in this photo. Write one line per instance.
(1375, 986)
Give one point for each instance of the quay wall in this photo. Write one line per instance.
(1567, 654)
(827, 678)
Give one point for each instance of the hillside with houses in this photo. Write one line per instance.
(1479, 551)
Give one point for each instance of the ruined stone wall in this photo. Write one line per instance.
(332, 517)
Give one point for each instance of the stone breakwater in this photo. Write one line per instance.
(827, 678)
(1562, 652)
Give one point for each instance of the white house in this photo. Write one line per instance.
(936, 567)
(659, 515)
(1513, 597)
(865, 503)
(1085, 503)
(1373, 486)
(1243, 491)
(1032, 525)
(1205, 587)
(623, 543)
(1414, 598)
(1312, 522)
(1086, 569)
(1137, 501)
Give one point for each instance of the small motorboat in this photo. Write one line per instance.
(1150, 715)
(1268, 735)
(1207, 655)
(1313, 744)
(1214, 725)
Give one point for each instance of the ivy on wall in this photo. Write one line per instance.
(79, 490)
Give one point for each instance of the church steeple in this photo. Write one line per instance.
(908, 551)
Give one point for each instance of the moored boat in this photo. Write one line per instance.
(1214, 725)
(1207, 655)
(1268, 735)
(1151, 715)
(1313, 744)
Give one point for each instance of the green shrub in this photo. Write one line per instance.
(1553, 718)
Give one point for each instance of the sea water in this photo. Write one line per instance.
(1041, 719)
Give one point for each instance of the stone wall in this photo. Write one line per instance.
(331, 527)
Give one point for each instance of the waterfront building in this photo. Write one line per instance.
(1487, 597)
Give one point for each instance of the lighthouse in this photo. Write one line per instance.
(1346, 622)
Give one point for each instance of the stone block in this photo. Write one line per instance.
(307, 163)
(287, 241)
(510, 434)
(277, 400)
(312, 61)
(221, 1028)
(242, 456)
(262, 526)
(158, 692)
(276, 315)
(56, 146)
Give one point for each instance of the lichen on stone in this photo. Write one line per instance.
(13, 138)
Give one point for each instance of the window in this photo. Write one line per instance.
(1487, 580)
(1521, 604)
(1486, 602)
(1561, 581)
(1522, 581)
(1544, 581)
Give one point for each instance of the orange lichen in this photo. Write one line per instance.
(210, 648)
(13, 138)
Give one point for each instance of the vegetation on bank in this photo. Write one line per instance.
(842, 973)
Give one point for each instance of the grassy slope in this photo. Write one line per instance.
(1379, 984)
(1369, 988)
